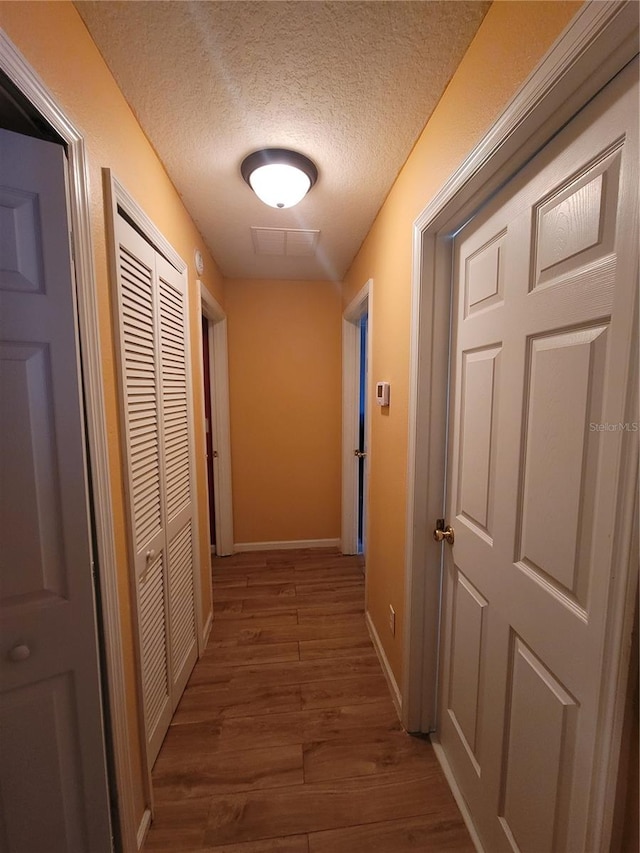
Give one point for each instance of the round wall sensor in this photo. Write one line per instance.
(199, 262)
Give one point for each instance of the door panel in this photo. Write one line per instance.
(543, 336)
(142, 422)
(176, 452)
(53, 785)
(555, 517)
(156, 404)
(534, 698)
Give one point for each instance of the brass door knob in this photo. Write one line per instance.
(444, 533)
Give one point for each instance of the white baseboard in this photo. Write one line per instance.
(145, 823)
(207, 630)
(457, 794)
(288, 545)
(384, 663)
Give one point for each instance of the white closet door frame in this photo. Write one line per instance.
(118, 198)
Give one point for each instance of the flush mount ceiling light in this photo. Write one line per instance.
(280, 178)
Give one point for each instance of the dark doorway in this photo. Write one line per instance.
(206, 370)
(362, 432)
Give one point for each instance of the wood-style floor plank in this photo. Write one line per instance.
(286, 739)
(315, 806)
(423, 834)
(193, 771)
(291, 844)
(206, 701)
(365, 753)
(336, 647)
(223, 655)
(339, 691)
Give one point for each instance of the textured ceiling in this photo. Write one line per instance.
(349, 84)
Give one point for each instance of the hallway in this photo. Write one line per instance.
(286, 739)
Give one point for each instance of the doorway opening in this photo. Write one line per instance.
(215, 414)
(208, 426)
(362, 416)
(356, 357)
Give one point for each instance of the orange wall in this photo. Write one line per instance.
(511, 40)
(285, 399)
(54, 40)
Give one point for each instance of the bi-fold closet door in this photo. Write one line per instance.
(155, 400)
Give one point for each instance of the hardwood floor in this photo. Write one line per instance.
(286, 739)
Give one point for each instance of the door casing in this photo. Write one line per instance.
(596, 45)
(118, 198)
(220, 426)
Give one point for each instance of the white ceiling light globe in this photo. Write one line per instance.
(279, 185)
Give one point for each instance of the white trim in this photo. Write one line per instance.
(153, 234)
(385, 665)
(206, 631)
(287, 545)
(221, 426)
(597, 43)
(25, 78)
(457, 794)
(145, 823)
(360, 305)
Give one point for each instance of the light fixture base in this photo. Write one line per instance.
(273, 188)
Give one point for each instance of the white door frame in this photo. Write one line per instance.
(360, 305)
(598, 43)
(29, 83)
(118, 198)
(220, 427)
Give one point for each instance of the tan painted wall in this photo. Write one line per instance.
(510, 42)
(54, 40)
(285, 398)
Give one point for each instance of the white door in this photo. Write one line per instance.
(53, 782)
(156, 408)
(543, 339)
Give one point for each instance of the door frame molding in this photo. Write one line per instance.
(117, 196)
(361, 304)
(599, 41)
(21, 73)
(220, 416)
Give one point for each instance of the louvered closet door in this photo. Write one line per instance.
(154, 332)
(174, 352)
(140, 387)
